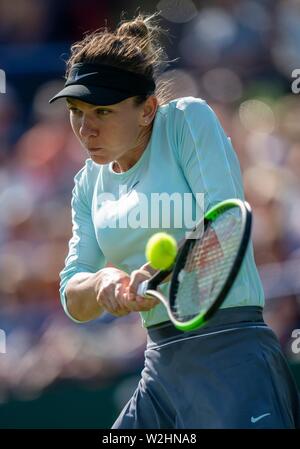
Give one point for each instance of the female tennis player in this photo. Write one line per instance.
(230, 373)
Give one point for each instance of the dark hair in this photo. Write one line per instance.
(134, 46)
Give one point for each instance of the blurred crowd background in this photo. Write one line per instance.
(239, 55)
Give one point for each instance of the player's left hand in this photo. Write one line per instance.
(137, 276)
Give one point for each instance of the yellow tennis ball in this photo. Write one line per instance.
(161, 250)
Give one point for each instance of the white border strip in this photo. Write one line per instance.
(205, 335)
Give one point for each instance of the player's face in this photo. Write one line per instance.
(113, 133)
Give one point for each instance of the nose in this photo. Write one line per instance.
(87, 128)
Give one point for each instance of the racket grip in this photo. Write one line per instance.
(142, 288)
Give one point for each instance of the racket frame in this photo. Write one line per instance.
(148, 288)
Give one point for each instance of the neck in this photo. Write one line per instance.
(123, 164)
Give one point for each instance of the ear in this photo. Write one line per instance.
(149, 110)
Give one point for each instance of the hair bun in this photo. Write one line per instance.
(136, 28)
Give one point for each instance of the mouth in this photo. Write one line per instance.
(94, 150)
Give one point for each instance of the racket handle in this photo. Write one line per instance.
(142, 288)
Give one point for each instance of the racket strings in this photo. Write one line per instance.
(207, 266)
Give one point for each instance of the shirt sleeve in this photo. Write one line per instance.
(84, 253)
(208, 160)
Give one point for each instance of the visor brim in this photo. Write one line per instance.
(99, 96)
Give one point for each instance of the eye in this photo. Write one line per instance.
(74, 110)
(102, 111)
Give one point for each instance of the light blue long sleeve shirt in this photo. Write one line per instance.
(188, 153)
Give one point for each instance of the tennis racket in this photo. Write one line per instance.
(206, 266)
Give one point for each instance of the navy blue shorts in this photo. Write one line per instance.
(230, 374)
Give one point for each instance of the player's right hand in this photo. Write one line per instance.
(110, 290)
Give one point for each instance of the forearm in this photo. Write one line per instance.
(81, 296)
